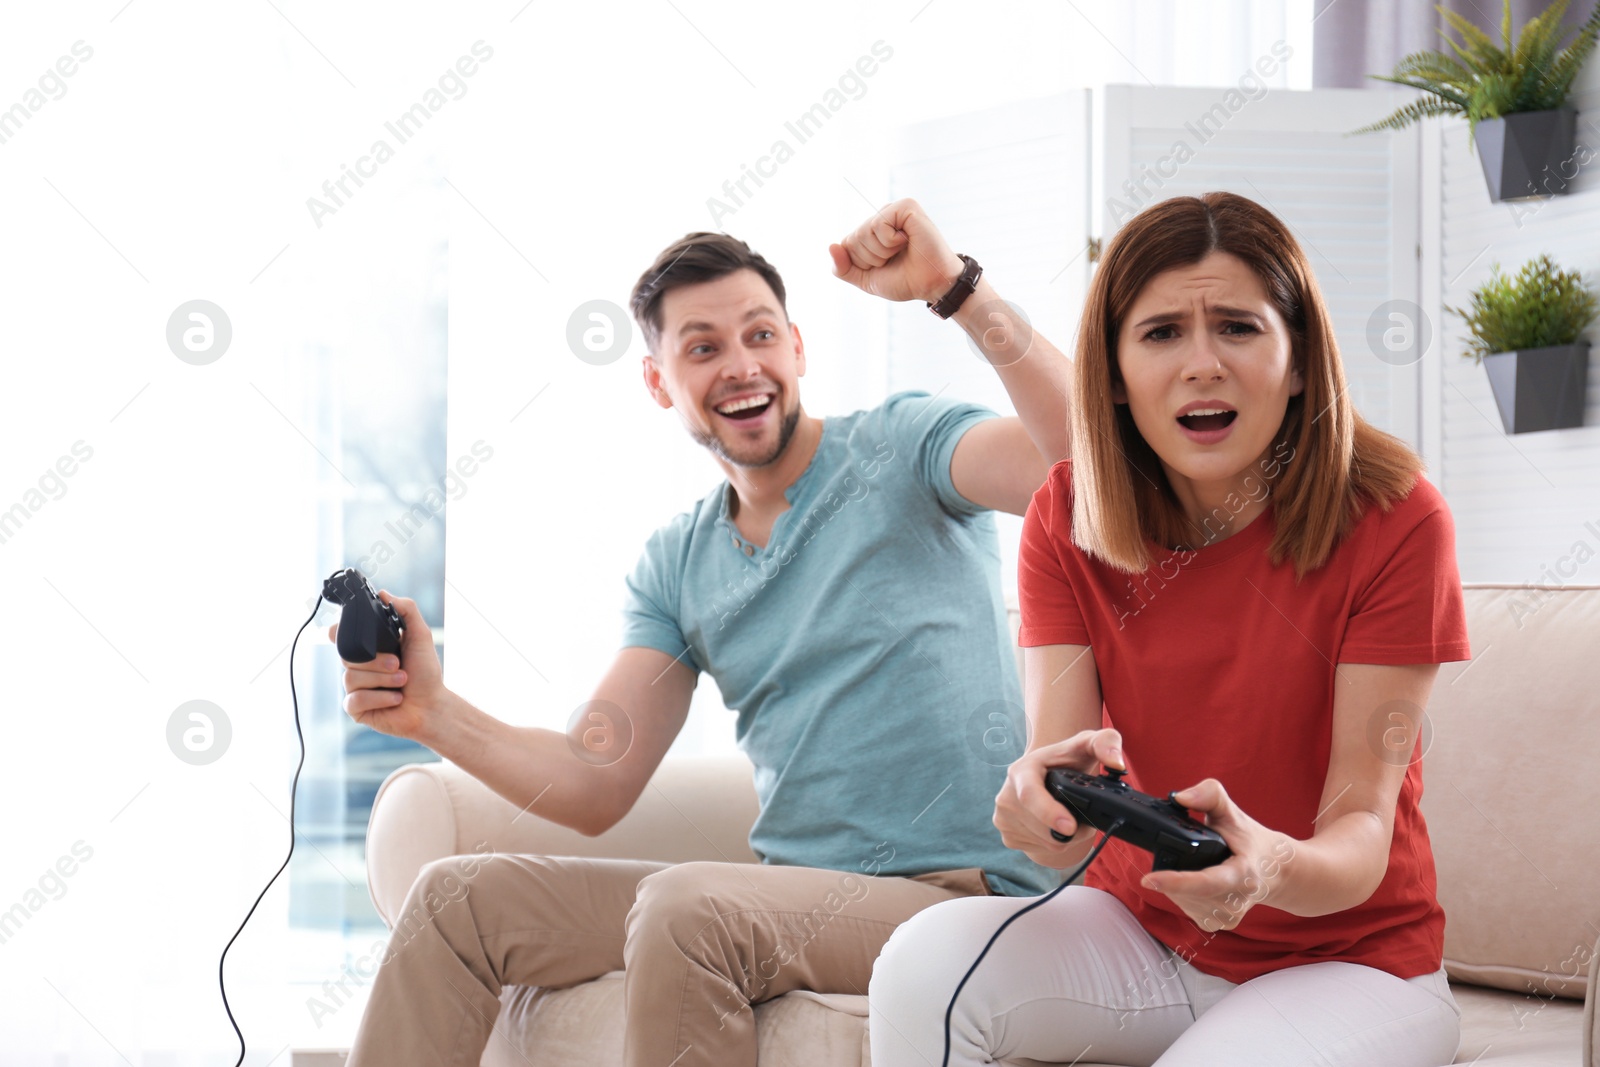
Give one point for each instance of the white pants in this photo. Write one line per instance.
(1079, 980)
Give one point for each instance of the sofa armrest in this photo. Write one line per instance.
(695, 808)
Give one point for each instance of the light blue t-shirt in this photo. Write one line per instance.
(865, 649)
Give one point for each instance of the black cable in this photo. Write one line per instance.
(221, 981)
(1065, 882)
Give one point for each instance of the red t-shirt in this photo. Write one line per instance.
(1214, 664)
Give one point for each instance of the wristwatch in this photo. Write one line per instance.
(962, 289)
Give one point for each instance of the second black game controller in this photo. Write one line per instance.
(368, 628)
(1162, 827)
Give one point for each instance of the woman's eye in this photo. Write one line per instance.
(1151, 334)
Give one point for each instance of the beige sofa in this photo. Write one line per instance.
(1512, 803)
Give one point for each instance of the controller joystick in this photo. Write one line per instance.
(368, 628)
(1159, 825)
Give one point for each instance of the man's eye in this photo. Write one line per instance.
(697, 349)
(765, 333)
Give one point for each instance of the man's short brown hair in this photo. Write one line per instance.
(697, 257)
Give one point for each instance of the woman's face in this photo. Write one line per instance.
(1206, 338)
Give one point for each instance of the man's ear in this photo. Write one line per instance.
(799, 351)
(653, 382)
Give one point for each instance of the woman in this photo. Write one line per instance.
(1237, 589)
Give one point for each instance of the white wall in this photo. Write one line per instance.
(1524, 503)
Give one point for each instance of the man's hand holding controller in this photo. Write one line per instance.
(400, 691)
(403, 701)
(1024, 811)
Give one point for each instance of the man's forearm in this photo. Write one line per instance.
(1038, 380)
(533, 768)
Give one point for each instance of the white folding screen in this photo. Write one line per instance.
(1349, 201)
(1009, 186)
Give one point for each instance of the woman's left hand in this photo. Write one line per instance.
(1218, 898)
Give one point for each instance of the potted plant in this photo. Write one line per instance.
(1525, 331)
(1514, 97)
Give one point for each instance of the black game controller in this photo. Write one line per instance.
(368, 628)
(1161, 827)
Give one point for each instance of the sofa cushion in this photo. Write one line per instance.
(1507, 1030)
(583, 1024)
(1509, 787)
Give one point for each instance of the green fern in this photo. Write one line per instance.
(1485, 80)
(1483, 53)
(1417, 109)
(1564, 71)
(1537, 307)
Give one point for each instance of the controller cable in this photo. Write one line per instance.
(292, 787)
(1065, 882)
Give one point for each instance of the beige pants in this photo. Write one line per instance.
(698, 943)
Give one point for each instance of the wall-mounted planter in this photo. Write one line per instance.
(1528, 154)
(1540, 388)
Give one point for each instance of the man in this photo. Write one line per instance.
(842, 588)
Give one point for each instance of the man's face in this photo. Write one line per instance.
(730, 362)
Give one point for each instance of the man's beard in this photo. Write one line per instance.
(719, 448)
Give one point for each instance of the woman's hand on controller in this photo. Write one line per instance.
(1024, 810)
(1218, 898)
(384, 695)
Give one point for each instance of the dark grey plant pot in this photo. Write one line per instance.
(1540, 388)
(1527, 155)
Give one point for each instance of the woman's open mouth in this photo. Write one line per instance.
(1207, 426)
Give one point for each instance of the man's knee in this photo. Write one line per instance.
(688, 916)
(439, 884)
(679, 902)
(699, 912)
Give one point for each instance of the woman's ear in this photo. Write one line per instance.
(1119, 394)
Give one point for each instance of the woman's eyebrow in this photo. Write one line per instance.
(1217, 311)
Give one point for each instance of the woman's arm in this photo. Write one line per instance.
(1062, 696)
(1377, 715)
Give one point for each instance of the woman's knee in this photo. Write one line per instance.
(1328, 1013)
